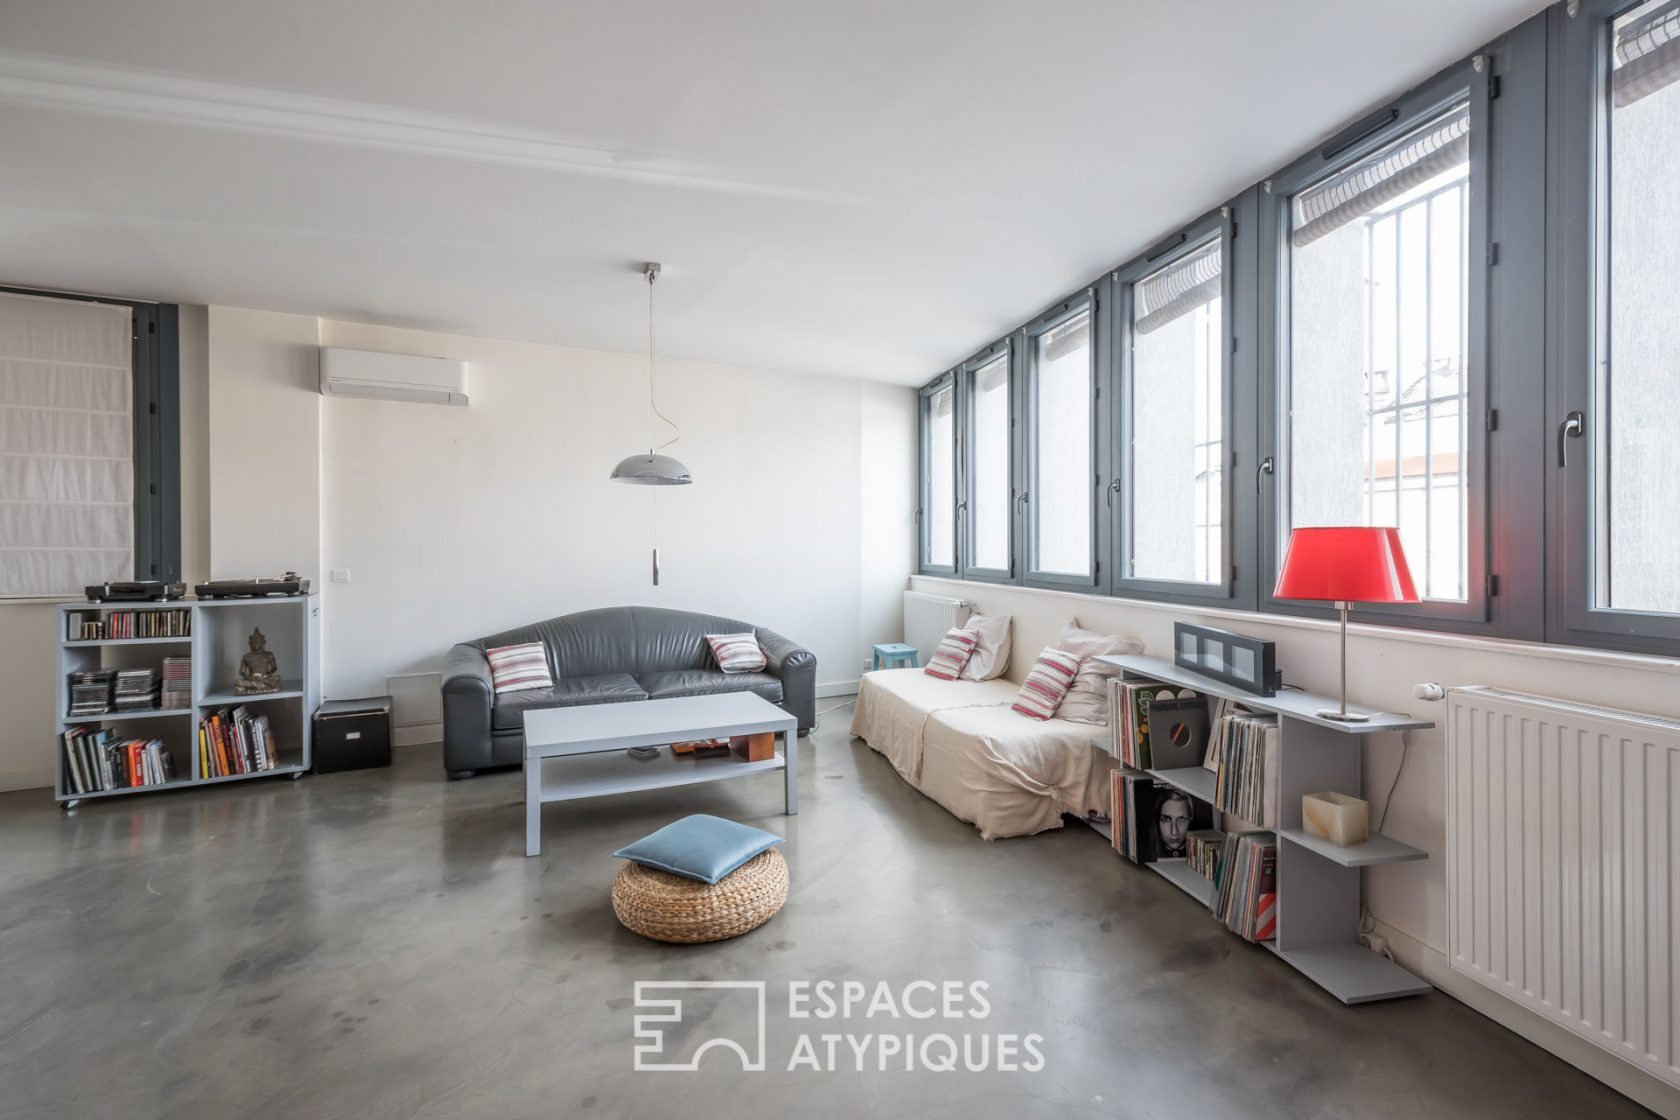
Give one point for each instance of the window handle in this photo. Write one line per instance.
(1573, 427)
(1021, 500)
(1265, 468)
(1111, 489)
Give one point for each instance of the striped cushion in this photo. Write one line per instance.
(955, 648)
(1051, 677)
(737, 653)
(517, 668)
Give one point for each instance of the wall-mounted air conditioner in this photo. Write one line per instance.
(397, 377)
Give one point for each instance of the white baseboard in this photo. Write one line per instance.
(418, 734)
(837, 688)
(1432, 965)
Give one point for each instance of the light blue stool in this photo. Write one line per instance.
(890, 655)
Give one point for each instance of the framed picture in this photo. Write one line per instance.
(1247, 663)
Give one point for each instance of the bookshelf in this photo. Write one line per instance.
(1318, 884)
(216, 639)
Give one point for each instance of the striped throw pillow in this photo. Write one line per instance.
(955, 648)
(737, 653)
(1051, 677)
(517, 668)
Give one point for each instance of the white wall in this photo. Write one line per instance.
(264, 444)
(1408, 899)
(457, 522)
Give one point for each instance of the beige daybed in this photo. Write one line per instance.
(959, 743)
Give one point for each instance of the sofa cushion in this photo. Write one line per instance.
(519, 668)
(607, 688)
(706, 682)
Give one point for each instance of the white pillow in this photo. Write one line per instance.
(991, 647)
(1087, 700)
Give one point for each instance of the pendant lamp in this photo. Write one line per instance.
(653, 469)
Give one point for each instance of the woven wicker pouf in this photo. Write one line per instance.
(669, 907)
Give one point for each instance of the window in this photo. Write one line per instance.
(988, 492)
(1637, 479)
(89, 444)
(1061, 486)
(1615, 406)
(938, 507)
(1176, 490)
(1379, 372)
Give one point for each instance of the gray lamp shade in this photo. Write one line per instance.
(652, 470)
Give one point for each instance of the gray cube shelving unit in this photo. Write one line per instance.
(1318, 883)
(220, 627)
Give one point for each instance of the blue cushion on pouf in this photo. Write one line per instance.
(700, 847)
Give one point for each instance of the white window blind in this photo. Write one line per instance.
(66, 445)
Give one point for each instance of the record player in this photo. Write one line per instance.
(135, 591)
(288, 584)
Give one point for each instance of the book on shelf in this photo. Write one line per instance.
(96, 760)
(1132, 743)
(235, 741)
(1246, 885)
(90, 691)
(1203, 847)
(1151, 819)
(1246, 745)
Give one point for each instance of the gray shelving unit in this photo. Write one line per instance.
(219, 628)
(1318, 884)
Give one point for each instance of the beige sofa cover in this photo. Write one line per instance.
(959, 743)
(894, 705)
(1009, 775)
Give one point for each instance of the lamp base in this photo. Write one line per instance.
(1343, 717)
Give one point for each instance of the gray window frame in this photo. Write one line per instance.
(1577, 306)
(965, 439)
(1089, 304)
(1464, 81)
(924, 481)
(1229, 224)
(157, 430)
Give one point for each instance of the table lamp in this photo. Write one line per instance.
(1345, 564)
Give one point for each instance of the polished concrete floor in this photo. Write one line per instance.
(374, 945)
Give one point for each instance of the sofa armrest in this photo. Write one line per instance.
(797, 668)
(468, 693)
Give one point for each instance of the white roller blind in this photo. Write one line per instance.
(1647, 52)
(1416, 158)
(1179, 288)
(66, 445)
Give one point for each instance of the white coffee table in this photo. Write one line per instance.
(573, 753)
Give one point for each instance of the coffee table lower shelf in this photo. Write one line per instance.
(602, 775)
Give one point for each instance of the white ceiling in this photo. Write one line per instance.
(862, 187)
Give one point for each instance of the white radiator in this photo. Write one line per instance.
(927, 617)
(1563, 851)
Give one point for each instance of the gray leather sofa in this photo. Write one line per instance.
(609, 656)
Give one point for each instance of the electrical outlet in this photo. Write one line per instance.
(341, 575)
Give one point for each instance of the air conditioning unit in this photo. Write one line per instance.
(396, 377)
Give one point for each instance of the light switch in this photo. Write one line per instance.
(341, 575)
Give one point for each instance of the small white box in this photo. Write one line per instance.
(1336, 817)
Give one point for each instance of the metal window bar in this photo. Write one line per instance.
(1403, 406)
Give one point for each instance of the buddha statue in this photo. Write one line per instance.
(258, 671)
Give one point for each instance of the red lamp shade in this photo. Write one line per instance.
(1346, 563)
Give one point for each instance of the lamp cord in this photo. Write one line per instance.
(653, 397)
